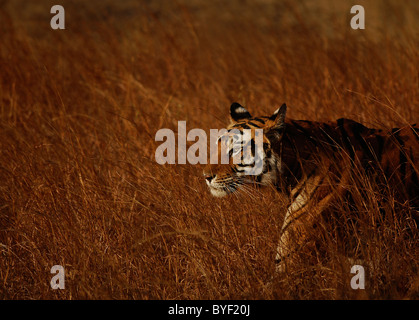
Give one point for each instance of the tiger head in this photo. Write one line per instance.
(229, 176)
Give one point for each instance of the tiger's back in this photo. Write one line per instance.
(392, 155)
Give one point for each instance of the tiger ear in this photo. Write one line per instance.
(275, 132)
(238, 112)
(279, 118)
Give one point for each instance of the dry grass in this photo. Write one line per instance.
(79, 109)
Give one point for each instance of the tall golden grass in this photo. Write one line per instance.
(79, 109)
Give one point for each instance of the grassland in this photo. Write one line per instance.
(79, 110)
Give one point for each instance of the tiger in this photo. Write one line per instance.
(313, 164)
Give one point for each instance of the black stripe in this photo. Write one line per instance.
(415, 178)
(357, 128)
(415, 184)
(308, 199)
(345, 139)
(330, 142)
(303, 130)
(415, 131)
(259, 120)
(254, 124)
(403, 161)
(380, 141)
(296, 194)
(307, 121)
(241, 125)
(402, 156)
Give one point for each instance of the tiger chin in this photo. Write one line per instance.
(313, 162)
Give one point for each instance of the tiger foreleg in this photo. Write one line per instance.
(314, 196)
(296, 230)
